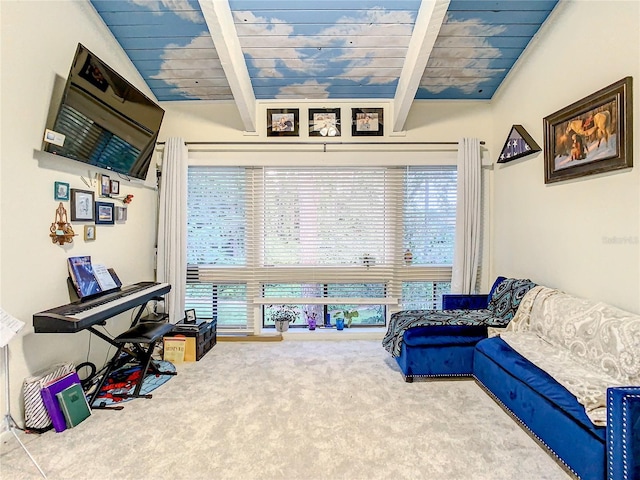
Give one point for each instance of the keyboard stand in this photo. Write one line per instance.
(140, 334)
(133, 346)
(146, 333)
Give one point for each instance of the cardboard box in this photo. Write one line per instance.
(190, 349)
(174, 349)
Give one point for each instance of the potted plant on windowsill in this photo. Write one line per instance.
(345, 317)
(349, 316)
(282, 315)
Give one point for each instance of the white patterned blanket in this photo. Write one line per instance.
(585, 346)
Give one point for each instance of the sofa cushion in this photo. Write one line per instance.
(506, 297)
(538, 380)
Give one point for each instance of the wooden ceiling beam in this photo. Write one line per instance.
(425, 31)
(219, 19)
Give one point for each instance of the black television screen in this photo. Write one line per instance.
(106, 121)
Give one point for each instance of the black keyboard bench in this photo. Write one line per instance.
(145, 332)
(143, 338)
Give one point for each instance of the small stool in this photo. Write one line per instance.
(144, 333)
(439, 351)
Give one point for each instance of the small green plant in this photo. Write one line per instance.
(283, 313)
(349, 316)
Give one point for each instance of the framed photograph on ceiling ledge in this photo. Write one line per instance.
(324, 122)
(283, 122)
(592, 135)
(367, 122)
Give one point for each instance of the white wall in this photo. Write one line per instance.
(38, 41)
(436, 121)
(559, 234)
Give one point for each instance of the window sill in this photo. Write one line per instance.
(333, 334)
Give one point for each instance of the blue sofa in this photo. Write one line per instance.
(605, 450)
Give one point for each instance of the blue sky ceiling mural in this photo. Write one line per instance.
(334, 49)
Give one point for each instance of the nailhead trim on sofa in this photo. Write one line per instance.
(532, 434)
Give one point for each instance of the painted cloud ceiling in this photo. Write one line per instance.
(328, 49)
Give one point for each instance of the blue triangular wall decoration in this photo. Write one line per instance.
(519, 144)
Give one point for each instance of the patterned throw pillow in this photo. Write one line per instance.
(507, 297)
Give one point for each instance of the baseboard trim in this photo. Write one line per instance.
(245, 337)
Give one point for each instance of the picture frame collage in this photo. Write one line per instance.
(85, 207)
(325, 122)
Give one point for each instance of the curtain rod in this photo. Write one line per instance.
(482, 142)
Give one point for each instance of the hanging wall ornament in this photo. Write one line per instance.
(61, 230)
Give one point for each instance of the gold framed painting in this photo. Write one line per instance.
(590, 136)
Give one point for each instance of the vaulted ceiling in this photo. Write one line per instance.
(398, 50)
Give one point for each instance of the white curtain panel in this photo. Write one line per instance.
(172, 226)
(467, 244)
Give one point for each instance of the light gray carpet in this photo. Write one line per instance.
(292, 410)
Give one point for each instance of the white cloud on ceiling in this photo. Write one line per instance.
(308, 89)
(371, 61)
(184, 79)
(252, 25)
(443, 77)
(365, 64)
(180, 7)
(277, 38)
(376, 21)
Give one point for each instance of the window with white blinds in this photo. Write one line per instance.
(330, 237)
(331, 217)
(429, 221)
(218, 271)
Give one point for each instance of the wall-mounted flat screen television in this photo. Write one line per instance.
(103, 120)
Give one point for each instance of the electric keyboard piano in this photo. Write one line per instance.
(77, 316)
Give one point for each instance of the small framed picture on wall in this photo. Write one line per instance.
(324, 122)
(89, 233)
(105, 185)
(121, 214)
(367, 122)
(104, 213)
(283, 122)
(82, 208)
(60, 191)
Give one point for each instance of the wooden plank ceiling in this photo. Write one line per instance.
(329, 49)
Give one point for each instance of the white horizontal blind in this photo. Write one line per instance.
(429, 215)
(328, 225)
(217, 216)
(218, 250)
(329, 235)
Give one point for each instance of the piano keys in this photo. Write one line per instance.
(77, 316)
